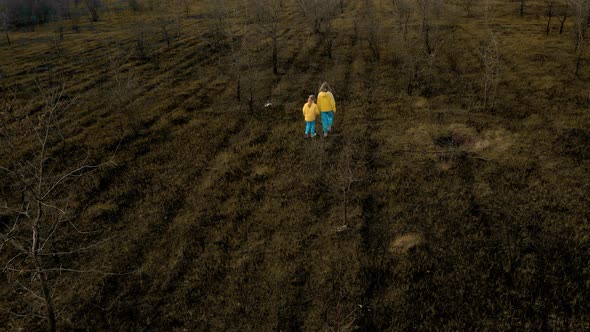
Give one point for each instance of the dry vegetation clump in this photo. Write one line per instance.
(451, 195)
(405, 243)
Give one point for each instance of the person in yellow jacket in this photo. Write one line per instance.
(327, 106)
(310, 113)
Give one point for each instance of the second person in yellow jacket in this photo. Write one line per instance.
(327, 106)
(310, 113)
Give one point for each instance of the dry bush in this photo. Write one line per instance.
(489, 57)
(373, 31)
(267, 14)
(319, 14)
(126, 86)
(217, 23)
(93, 7)
(403, 10)
(429, 9)
(581, 10)
(37, 228)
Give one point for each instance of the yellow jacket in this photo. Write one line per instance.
(326, 102)
(310, 113)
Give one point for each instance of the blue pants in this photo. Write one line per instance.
(309, 127)
(327, 119)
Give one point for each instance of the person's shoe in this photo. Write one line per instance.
(305, 136)
(314, 135)
(325, 134)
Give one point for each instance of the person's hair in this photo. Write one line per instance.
(312, 97)
(325, 87)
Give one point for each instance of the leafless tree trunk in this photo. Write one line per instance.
(348, 172)
(427, 7)
(241, 59)
(6, 23)
(581, 8)
(125, 86)
(165, 26)
(187, 6)
(467, 5)
(321, 13)
(35, 204)
(562, 20)
(489, 61)
(549, 16)
(522, 2)
(372, 30)
(268, 14)
(93, 6)
(374, 38)
(403, 11)
(217, 25)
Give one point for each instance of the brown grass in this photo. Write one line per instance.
(460, 220)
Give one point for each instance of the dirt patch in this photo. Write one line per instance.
(406, 243)
(494, 143)
(420, 135)
(457, 135)
(263, 172)
(421, 102)
(491, 143)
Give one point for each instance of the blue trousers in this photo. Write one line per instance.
(327, 119)
(309, 127)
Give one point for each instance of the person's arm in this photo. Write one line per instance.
(333, 102)
(303, 109)
(317, 110)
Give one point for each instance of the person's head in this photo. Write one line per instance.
(311, 99)
(325, 87)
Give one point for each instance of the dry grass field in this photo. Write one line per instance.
(452, 195)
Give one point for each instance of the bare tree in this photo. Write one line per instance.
(427, 9)
(239, 58)
(217, 22)
(348, 172)
(581, 10)
(35, 202)
(522, 3)
(125, 86)
(249, 75)
(412, 57)
(488, 54)
(268, 14)
(467, 6)
(236, 61)
(403, 11)
(241, 63)
(5, 22)
(58, 38)
(170, 26)
(186, 5)
(321, 14)
(75, 19)
(549, 14)
(318, 12)
(327, 12)
(93, 7)
(373, 32)
(564, 18)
